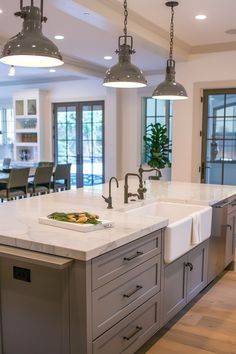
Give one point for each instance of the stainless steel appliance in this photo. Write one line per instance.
(222, 240)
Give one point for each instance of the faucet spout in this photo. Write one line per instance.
(108, 199)
(141, 170)
(117, 184)
(141, 190)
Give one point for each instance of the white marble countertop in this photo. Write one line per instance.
(193, 193)
(19, 226)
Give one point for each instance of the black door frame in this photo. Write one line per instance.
(206, 93)
(79, 136)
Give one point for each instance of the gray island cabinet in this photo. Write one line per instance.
(57, 305)
(184, 279)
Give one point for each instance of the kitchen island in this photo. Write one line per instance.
(67, 292)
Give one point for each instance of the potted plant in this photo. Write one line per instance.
(157, 146)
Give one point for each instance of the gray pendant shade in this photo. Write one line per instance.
(170, 89)
(124, 74)
(30, 48)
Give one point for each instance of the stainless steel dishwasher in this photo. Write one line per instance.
(222, 240)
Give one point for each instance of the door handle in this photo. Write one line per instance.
(137, 254)
(138, 287)
(137, 329)
(79, 159)
(190, 265)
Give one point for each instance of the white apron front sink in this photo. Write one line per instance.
(188, 225)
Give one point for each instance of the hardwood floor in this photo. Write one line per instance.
(207, 326)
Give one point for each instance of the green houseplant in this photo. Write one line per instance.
(157, 146)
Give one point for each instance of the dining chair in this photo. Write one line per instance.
(6, 163)
(45, 163)
(16, 185)
(61, 177)
(41, 182)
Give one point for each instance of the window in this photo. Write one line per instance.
(157, 111)
(6, 133)
(219, 137)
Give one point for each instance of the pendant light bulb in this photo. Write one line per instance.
(124, 74)
(30, 48)
(170, 89)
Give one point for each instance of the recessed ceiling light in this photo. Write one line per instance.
(1, 11)
(107, 57)
(86, 13)
(59, 36)
(200, 17)
(52, 70)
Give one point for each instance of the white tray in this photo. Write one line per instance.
(75, 227)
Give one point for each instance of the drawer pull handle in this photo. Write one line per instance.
(229, 226)
(189, 265)
(137, 254)
(137, 329)
(138, 287)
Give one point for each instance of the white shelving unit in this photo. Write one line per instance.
(28, 117)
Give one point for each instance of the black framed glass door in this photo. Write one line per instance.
(79, 140)
(219, 137)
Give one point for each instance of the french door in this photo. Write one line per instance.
(79, 140)
(219, 137)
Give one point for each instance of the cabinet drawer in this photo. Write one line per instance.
(121, 296)
(132, 332)
(112, 264)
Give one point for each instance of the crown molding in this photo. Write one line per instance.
(83, 67)
(39, 80)
(213, 48)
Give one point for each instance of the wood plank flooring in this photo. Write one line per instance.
(207, 327)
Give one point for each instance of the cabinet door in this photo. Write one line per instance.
(31, 107)
(196, 268)
(134, 330)
(229, 243)
(174, 298)
(19, 108)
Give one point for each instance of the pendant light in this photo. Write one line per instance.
(125, 74)
(170, 89)
(30, 48)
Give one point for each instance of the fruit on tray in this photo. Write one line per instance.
(79, 218)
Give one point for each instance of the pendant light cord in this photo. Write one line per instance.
(125, 20)
(171, 33)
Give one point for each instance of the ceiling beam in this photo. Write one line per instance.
(108, 15)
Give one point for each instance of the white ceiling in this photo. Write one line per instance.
(91, 29)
